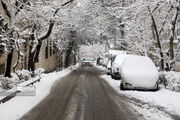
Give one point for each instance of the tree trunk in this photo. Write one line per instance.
(158, 39)
(9, 63)
(173, 22)
(33, 56)
(68, 53)
(31, 66)
(171, 47)
(171, 43)
(74, 59)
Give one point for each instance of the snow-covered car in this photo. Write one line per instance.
(139, 72)
(116, 66)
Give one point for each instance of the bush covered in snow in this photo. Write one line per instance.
(18, 77)
(171, 80)
(24, 75)
(39, 71)
(8, 83)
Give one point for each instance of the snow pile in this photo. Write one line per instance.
(116, 52)
(39, 71)
(24, 75)
(171, 80)
(18, 77)
(164, 100)
(8, 83)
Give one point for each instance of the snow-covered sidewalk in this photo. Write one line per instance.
(19, 105)
(162, 99)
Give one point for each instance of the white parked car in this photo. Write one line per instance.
(139, 72)
(116, 66)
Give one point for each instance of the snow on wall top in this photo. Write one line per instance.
(116, 52)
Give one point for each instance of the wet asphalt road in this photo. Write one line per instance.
(82, 95)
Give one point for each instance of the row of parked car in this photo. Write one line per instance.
(135, 72)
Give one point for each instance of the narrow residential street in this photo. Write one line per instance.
(82, 95)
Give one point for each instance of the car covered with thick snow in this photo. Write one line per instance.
(111, 55)
(139, 72)
(116, 66)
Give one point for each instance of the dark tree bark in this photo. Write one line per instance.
(33, 55)
(10, 54)
(9, 63)
(171, 43)
(31, 66)
(5, 9)
(70, 47)
(31, 63)
(157, 38)
(68, 53)
(67, 2)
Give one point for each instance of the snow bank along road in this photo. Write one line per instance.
(82, 95)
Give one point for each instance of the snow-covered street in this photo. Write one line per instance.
(89, 59)
(82, 95)
(19, 105)
(81, 89)
(152, 105)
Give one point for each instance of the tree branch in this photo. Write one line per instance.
(67, 2)
(48, 33)
(5, 9)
